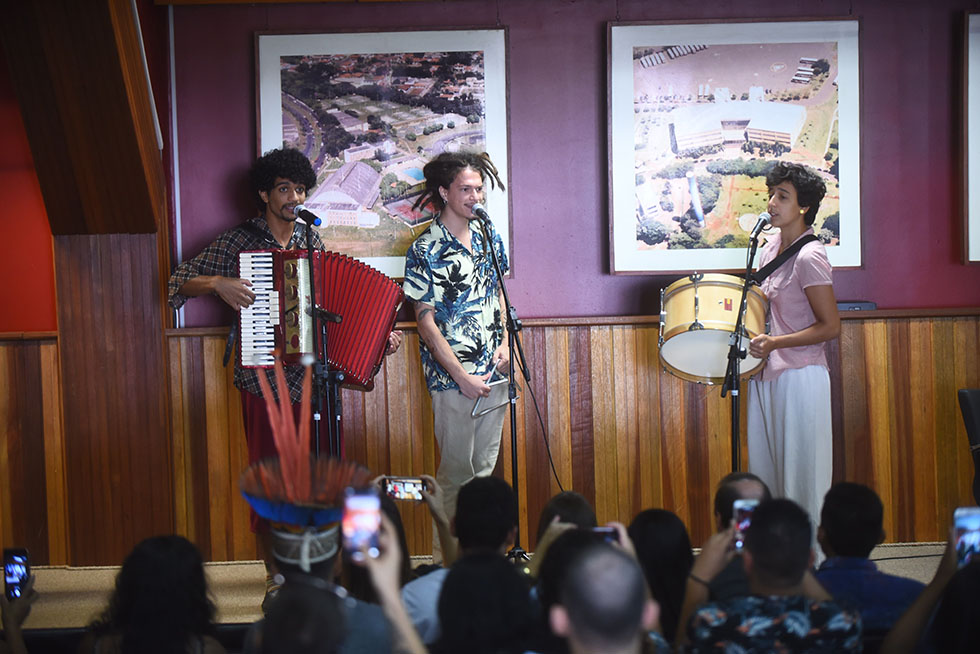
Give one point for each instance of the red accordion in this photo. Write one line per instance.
(280, 318)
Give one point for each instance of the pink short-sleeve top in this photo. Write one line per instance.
(789, 307)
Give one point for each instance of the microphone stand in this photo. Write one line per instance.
(325, 381)
(736, 352)
(514, 347)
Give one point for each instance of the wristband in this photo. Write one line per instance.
(699, 580)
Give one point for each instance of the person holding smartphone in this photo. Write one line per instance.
(790, 438)
(452, 282)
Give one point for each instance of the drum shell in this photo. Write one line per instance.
(698, 315)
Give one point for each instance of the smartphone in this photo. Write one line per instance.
(404, 488)
(966, 531)
(610, 534)
(16, 571)
(742, 514)
(361, 522)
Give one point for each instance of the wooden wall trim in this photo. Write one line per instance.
(622, 432)
(598, 321)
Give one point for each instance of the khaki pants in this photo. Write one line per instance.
(468, 447)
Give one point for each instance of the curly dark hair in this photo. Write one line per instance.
(161, 602)
(810, 187)
(442, 170)
(285, 163)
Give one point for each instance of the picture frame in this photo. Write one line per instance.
(971, 185)
(698, 112)
(370, 109)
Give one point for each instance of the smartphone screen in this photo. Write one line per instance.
(610, 534)
(742, 514)
(404, 488)
(362, 520)
(966, 531)
(16, 571)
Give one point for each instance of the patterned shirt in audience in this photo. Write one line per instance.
(774, 624)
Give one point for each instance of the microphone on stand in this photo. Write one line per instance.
(305, 215)
(480, 212)
(764, 220)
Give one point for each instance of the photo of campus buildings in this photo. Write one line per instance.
(369, 123)
(711, 120)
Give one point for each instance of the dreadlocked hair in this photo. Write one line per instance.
(442, 170)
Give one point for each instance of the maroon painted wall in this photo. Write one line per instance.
(911, 140)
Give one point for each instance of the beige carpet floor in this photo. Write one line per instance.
(71, 597)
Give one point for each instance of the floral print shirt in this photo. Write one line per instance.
(462, 286)
(774, 624)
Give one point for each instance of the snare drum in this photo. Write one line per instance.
(697, 318)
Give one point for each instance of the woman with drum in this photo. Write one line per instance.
(789, 419)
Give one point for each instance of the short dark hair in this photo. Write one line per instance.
(285, 163)
(484, 606)
(851, 518)
(443, 169)
(810, 187)
(308, 616)
(486, 511)
(727, 493)
(779, 541)
(558, 560)
(604, 593)
(570, 507)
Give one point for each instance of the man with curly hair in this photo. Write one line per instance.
(280, 179)
(451, 280)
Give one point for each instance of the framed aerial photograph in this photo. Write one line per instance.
(699, 113)
(369, 109)
(971, 170)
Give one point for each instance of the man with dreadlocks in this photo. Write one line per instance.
(451, 280)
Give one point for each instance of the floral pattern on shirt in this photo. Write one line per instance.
(462, 288)
(774, 624)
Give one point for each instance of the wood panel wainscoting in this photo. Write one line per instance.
(622, 431)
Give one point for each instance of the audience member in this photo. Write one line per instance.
(564, 511)
(787, 610)
(663, 550)
(308, 616)
(567, 506)
(160, 603)
(485, 521)
(13, 613)
(945, 617)
(604, 606)
(315, 553)
(850, 527)
(732, 582)
(484, 606)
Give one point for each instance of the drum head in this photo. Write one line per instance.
(702, 356)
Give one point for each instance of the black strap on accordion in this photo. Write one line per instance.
(771, 267)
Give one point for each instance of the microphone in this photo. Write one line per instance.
(764, 220)
(305, 215)
(480, 212)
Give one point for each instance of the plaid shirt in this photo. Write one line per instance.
(221, 258)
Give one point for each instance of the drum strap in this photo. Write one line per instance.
(770, 267)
